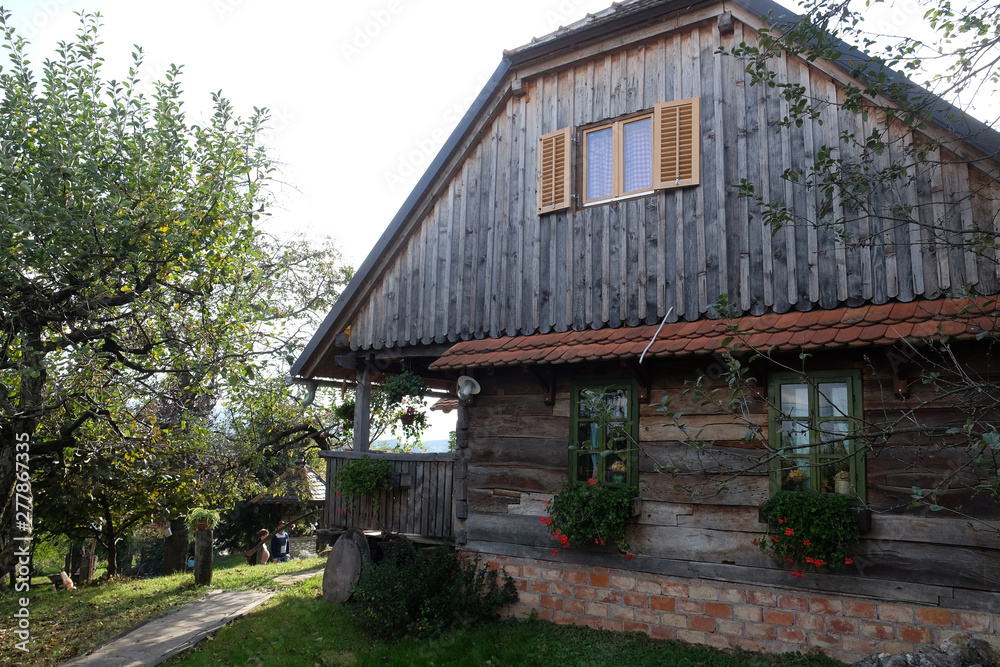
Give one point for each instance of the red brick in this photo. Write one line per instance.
(754, 645)
(824, 606)
(632, 626)
(824, 640)
(544, 614)
(732, 595)
(896, 613)
(573, 606)
(531, 572)
(895, 647)
(621, 611)
(728, 627)
(676, 590)
(971, 622)
(748, 613)
(938, 617)
(763, 598)
(702, 592)
(521, 584)
(596, 609)
(538, 586)
(589, 621)
(647, 616)
(793, 635)
(877, 630)
(779, 617)
(702, 624)
(637, 600)
(722, 642)
(610, 596)
(760, 630)
(600, 580)
(649, 586)
(558, 588)
(860, 609)
(563, 617)
(917, 635)
(529, 599)
(844, 626)
(718, 610)
(575, 576)
(793, 603)
(550, 602)
(809, 621)
(609, 624)
(624, 583)
(859, 645)
(663, 633)
(691, 606)
(674, 620)
(662, 604)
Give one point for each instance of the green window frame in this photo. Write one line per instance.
(814, 430)
(604, 444)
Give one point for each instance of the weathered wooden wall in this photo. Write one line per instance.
(423, 507)
(702, 525)
(482, 262)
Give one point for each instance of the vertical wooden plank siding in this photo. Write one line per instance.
(424, 508)
(482, 262)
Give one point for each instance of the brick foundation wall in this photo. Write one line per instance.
(724, 615)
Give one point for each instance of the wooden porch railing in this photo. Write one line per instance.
(421, 502)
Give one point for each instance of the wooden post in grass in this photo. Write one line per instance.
(203, 557)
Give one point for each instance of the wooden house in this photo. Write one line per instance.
(578, 230)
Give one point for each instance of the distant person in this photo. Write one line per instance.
(281, 544)
(258, 553)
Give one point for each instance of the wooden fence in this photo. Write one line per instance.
(420, 502)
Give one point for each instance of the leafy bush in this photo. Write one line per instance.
(362, 477)
(423, 593)
(809, 529)
(591, 513)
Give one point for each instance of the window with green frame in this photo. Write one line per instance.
(604, 432)
(814, 431)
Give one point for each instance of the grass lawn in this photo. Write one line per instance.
(297, 627)
(69, 623)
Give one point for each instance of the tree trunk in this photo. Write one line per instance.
(110, 539)
(74, 561)
(87, 562)
(175, 547)
(203, 558)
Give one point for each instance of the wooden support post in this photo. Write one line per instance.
(362, 408)
(460, 472)
(203, 558)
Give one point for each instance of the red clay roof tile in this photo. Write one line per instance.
(844, 327)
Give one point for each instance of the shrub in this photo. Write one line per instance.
(591, 513)
(809, 529)
(421, 593)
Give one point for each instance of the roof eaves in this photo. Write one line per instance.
(324, 334)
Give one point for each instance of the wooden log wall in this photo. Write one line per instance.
(482, 262)
(422, 508)
(702, 522)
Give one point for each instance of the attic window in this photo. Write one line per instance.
(627, 157)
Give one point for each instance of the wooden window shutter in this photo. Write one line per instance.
(676, 143)
(554, 171)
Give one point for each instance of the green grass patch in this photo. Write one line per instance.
(65, 624)
(298, 627)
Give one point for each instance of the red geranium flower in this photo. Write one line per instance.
(591, 481)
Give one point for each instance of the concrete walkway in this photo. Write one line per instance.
(161, 638)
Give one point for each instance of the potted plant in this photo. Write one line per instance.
(591, 514)
(200, 518)
(362, 477)
(407, 417)
(403, 385)
(809, 529)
